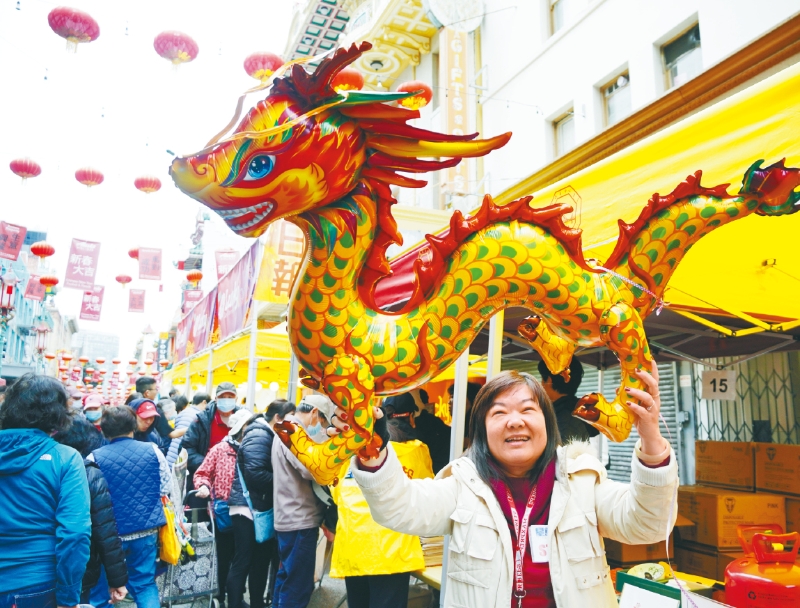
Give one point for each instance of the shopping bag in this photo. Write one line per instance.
(169, 549)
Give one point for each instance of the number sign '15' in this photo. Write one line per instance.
(719, 385)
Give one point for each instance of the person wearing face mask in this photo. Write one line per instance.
(298, 511)
(93, 409)
(209, 428)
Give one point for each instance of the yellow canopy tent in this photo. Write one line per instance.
(750, 266)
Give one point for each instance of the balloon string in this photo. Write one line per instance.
(660, 301)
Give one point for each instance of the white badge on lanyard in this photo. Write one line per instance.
(540, 544)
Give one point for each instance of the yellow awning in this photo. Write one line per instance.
(725, 270)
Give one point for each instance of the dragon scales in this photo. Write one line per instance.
(326, 160)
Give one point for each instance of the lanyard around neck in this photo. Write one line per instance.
(521, 537)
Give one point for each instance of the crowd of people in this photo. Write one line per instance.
(89, 483)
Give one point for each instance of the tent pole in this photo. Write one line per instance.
(188, 379)
(495, 344)
(210, 375)
(294, 374)
(252, 363)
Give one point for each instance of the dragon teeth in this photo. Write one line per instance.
(233, 214)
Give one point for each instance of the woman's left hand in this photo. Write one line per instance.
(646, 413)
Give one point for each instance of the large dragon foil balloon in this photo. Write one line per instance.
(326, 161)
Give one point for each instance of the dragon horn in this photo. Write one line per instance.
(407, 148)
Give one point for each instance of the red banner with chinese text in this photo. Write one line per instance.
(235, 294)
(136, 300)
(190, 299)
(11, 239)
(92, 303)
(226, 259)
(149, 263)
(182, 338)
(82, 264)
(34, 290)
(202, 317)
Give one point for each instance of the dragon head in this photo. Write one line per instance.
(775, 187)
(306, 145)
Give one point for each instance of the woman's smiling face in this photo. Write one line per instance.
(515, 430)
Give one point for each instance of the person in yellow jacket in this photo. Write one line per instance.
(376, 562)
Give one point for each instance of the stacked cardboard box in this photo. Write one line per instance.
(620, 555)
(725, 464)
(729, 474)
(778, 471)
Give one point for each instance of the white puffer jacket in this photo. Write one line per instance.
(585, 506)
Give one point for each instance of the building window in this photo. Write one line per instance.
(682, 58)
(564, 129)
(617, 99)
(558, 14)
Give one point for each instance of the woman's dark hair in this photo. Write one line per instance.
(81, 435)
(486, 464)
(35, 402)
(133, 396)
(279, 407)
(180, 403)
(118, 421)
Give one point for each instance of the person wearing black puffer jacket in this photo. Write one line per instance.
(106, 547)
(255, 463)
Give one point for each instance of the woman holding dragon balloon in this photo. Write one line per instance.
(325, 161)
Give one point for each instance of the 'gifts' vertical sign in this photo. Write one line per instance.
(136, 300)
(454, 71)
(82, 264)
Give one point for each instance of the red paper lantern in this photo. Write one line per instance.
(194, 277)
(89, 177)
(147, 184)
(89, 370)
(420, 100)
(42, 250)
(133, 362)
(116, 361)
(25, 168)
(349, 79)
(262, 65)
(73, 25)
(49, 356)
(77, 369)
(133, 253)
(63, 368)
(103, 372)
(148, 362)
(83, 359)
(177, 47)
(49, 281)
(123, 279)
(164, 362)
(100, 360)
(66, 356)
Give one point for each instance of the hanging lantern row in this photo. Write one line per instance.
(25, 168)
(73, 25)
(348, 79)
(194, 277)
(147, 184)
(42, 250)
(262, 65)
(176, 47)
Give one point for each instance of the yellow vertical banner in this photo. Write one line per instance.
(283, 253)
(453, 55)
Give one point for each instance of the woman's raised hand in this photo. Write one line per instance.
(646, 413)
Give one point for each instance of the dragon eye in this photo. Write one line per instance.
(259, 167)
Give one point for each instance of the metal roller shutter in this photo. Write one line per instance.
(620, 453)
